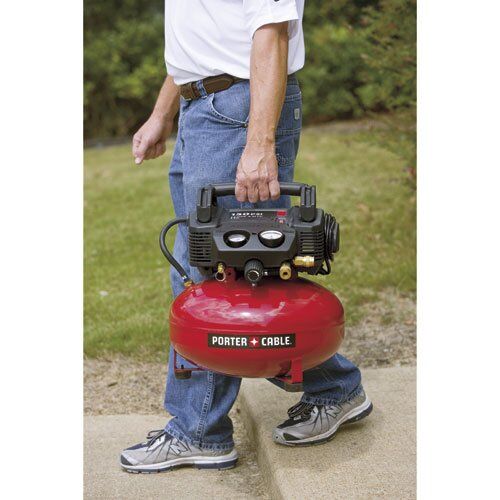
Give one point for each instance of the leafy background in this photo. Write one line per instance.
(361, 58)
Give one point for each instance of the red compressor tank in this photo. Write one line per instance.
(277, 329)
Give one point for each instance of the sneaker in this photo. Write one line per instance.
(161, 452)
(315, 424)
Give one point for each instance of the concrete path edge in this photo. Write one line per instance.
(374, 458)
(261, 445)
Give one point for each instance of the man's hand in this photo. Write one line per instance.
(257, 174)
(149, 140)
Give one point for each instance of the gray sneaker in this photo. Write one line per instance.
(161, 452)
(314, 424)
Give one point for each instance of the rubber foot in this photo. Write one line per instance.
(289, 387)
(182, 374)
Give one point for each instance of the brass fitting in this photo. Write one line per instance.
(303, 261)
(220, 275)
(285, 271)
(188, 283)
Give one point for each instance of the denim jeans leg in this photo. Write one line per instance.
(199, 405)
(334, 381)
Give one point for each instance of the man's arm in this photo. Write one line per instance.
(149, 140)
(257, 173)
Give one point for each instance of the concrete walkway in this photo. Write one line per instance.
(105, 436)
(370, 459)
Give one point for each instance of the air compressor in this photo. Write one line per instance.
(254, 316)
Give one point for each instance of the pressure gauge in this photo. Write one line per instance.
(271, 238)
(236, 240)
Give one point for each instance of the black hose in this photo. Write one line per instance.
(331, 229)
(184, 275)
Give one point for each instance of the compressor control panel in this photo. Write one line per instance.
(261, 242)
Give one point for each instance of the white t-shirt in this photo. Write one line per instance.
(210, 37)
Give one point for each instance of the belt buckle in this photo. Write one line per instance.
(187, 88)
(193, 89)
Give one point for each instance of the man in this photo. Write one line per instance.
(231, 66)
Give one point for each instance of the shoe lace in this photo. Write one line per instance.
(175, 446)
(300, 409)
(154, 435)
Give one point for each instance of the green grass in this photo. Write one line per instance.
(126, 277)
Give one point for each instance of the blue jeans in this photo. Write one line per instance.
(210, 140)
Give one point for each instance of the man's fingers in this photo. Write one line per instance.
(240, 192)
(139, 157)
(150, 153)
(142, 148)
(140, 151)
(253, 193)
(136, 142)
(263, 190)
(274, 189)
(156, 150)
(160, 148)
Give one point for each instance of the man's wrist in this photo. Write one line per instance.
(163, 115)
(261, 140)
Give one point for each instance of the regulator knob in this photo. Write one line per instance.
(254, 271)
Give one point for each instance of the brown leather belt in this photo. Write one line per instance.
(211, 84)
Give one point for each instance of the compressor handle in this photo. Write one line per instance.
(207, 198)
(286, 188)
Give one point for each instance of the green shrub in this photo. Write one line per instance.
(332, 74)
(123, 64)
(361, 56)
(390, 55)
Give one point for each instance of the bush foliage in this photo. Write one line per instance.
(360, 57)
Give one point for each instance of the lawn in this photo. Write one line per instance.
(359, 179)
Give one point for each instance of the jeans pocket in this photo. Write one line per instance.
(288, 130)
(287, 147)
(284, 160)
(231, 106)
(290, 121)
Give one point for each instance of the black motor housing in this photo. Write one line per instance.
(302, 237)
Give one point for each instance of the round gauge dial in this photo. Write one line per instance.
(271, 238)
(236, 240)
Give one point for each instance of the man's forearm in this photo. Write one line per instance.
(167, 104)
(268, 75)
(257, 172)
